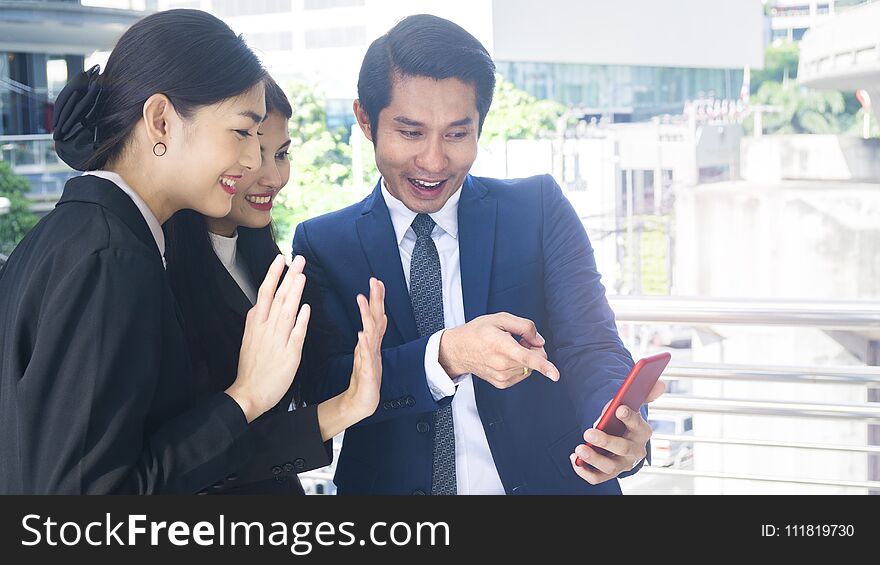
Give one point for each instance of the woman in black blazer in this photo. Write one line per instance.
(96, 392)
(214, 266)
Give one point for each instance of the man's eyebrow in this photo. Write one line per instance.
(409, 122)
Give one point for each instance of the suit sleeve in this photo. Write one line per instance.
(89, 390)
(287, 443)
(587, 349)
(329, 350)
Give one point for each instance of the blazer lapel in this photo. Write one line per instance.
(380, 246)
(97, 190)
(476, 244)
(232, 293)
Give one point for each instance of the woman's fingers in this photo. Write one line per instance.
(377, 299)
(367, 321)
(298, 335)
(291, 280)
(287, 301)
(266, 293)
(377, 311)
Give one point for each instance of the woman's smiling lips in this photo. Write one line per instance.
(227, 183)
(261, 202)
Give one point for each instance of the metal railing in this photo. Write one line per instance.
(861, 317)
(845, 315)
(860, 376)
(858, 317)
(28, 154)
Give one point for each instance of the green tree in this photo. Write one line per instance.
(320, 164)
(516, 114)
(803, 110)
(780, 65)
(19, 220)
(857, 126)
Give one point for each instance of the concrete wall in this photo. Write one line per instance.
(811, 157)
(791, 239)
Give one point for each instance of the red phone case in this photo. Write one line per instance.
(632, 393)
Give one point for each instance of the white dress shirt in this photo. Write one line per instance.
(475, 470)
(226, 249)
(149, 216)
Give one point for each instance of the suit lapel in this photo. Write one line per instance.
(379, 243)
(97, 190)
(232, 293)
(476, 245)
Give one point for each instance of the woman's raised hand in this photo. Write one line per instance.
(271, 349)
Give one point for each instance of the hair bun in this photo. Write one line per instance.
(74, 119)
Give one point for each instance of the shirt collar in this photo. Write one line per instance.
(152, 221)
(402, 217)
(225, 248)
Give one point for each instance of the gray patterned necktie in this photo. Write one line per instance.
(426, 294)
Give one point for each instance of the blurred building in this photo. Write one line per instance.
(790, 19)
(844, 53)
(42, 44)
(622, 61)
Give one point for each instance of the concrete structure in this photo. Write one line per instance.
(844, 53)
(623, 179)
(790, 19)
(802, 223)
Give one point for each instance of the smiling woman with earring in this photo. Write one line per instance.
(96, 391)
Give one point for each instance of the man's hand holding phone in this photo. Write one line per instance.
(607, 455)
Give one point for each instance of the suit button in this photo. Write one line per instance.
(395, 403)
(217, 485)
(299, 463)
(386, 405)
(423, 427)
(276, 470)
(419, 492)
(203, 492)
(519, 489)
(232, 477)
(410, 401)
(288, 467)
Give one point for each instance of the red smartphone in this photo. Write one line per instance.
(632, 393)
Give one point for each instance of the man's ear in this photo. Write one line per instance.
(363, 120)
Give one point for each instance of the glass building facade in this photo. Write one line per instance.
(621, 93)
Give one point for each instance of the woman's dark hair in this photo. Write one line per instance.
(190, 56)
(276, 100)
(424, 46)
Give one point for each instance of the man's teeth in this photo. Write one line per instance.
(228, 182)
(258, 199)
(424, 184)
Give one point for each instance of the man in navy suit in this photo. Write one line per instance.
(501, 351)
